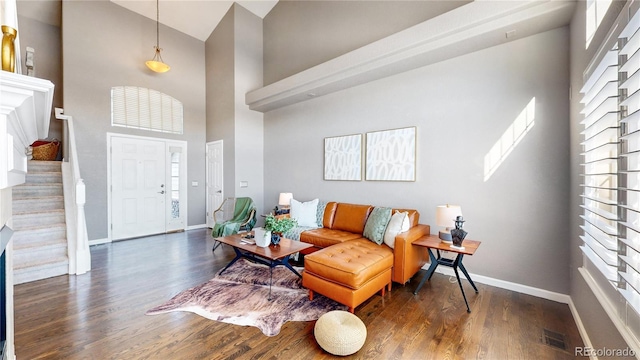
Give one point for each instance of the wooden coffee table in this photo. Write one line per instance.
(271, 256)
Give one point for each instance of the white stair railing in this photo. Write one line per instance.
(74, 199)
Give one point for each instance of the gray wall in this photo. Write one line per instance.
(106, 45)
(601, 330)
(461, 107)
(220, 59)
(234, 67)
(45, 39)
(302, 34)
(249, 124)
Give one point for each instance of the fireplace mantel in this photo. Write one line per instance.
(25, 111)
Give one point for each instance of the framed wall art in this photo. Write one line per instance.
(343, 158)
(391, 155)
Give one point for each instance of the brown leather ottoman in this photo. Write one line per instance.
(349, 272)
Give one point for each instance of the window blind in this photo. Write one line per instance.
(600, 166)
(143, 108)
(629, 202)
(611, 194)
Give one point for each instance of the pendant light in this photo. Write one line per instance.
(156, 64)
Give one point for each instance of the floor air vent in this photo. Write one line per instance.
(553, 339)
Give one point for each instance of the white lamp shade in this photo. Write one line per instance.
(446, 215)
(285, 199)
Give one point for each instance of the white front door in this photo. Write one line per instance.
(215, 173)
(138, 187)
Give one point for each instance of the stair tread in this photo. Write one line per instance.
(36, 212)
(41, 197)
(37, 265)
(40, 244)
(41, 227)
(27, 185)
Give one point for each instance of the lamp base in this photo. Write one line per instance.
(445, 237)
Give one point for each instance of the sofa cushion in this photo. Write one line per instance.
(305, 213)
(414, 216)
(324, 237)
(329, 214)
(395, 226)
(351, 264)
(377, 224)
(351, 217)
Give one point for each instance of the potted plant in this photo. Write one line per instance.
(278, 226)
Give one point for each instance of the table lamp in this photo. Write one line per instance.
(446, 217)
(284, 201)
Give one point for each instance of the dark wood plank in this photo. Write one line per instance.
(100, 315)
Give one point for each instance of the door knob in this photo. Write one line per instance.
(161, 192)
(219, 191)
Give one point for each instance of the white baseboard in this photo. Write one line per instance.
(524, 289)
(99, 241)
(581, 329)
(107, 240)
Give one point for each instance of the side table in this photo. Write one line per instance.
(432, 242)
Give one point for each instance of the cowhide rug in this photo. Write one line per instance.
(240, 296)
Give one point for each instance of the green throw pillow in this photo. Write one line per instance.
(377, 224)
(322, 205)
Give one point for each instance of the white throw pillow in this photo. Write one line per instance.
(406, 225)
(305, 212)
(398, 221)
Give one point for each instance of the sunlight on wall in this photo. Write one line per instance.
(511, 137)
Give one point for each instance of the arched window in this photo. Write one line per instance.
(142, 108)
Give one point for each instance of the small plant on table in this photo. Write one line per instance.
(278, 226)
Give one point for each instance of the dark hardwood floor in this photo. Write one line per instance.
(100, 315)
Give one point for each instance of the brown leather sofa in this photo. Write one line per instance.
(347, 267)
(345, 222)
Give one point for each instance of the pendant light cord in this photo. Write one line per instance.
(158, 24)
(157, 64)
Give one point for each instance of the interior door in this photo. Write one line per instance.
(215, 175)
(138, 187)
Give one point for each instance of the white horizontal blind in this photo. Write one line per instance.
(629, 226)
(147, 109)
(600, 146)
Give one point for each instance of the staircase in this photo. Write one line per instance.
(40, 237)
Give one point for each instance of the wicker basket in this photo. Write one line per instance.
(48, 151)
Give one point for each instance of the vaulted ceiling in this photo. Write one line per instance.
(197, 18)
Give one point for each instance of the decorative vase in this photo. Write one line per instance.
(9, 48)
(275, 238)
(262, 237)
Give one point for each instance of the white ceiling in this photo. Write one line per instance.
(197, 18)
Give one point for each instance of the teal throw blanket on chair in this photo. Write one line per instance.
(242, 211)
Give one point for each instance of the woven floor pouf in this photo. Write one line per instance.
(340, 332)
